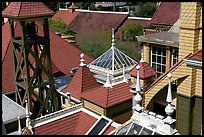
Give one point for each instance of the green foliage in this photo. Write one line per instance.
(130, 31)
(146, 10)
(53, 5)
(59, 26)
(3, 5)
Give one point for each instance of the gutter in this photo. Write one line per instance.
(191, 62)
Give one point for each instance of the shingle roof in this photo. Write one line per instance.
(75, 124)
(166, 14)
(80, 21)
(26, 10)
(146, 70)
(81, 82)
(63, 55)
(65, 16)
(196, 56)
(107, 97)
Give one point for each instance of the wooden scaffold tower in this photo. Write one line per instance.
(34, 79)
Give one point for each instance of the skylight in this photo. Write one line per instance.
(134, 129)
(112, 61)
(99, 126)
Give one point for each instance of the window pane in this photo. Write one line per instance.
(159, 59)
(159, 51)
(158, 74)
(164, 60)
(158, 68)
(153, 58)
(146, 131)
(135, 129)
(164, 51)
(154, 50)
(163, 69)
(98, 127)
(154, 65)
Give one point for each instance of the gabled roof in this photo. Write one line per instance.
(146, 70)
(112, 62)
(107, 97)
(26, 10)
(82, 81)
(65, 16)
(84, 21)
(63, 55)
(166, 14)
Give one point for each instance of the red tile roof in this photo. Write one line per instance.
(26, 10)
(146, 70)
(107, 97)
(73, 7)
(82, 81)
(91, 21)
(108, 130)
(63, 55)
(75, 124)
(166, 14)
(196, 56)
(65, 16)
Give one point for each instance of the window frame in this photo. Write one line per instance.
(156, 63)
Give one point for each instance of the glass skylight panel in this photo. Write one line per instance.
(123, 130)
(135, 129)
(155, 133)
(98, 127)
(146, 131)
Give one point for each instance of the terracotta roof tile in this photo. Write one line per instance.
(93, 21)
(82, 81)
(146, 70)
(107, 97)
(196, 56)
(75, 124)
(65, 16)
(166, 14)
(26, 9)
(108, 130)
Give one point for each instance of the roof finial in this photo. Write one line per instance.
(169, 108)
(138, 89)
(142, 55)
(19, 126)
(82, 60)
(113, 38)
(138, 97)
